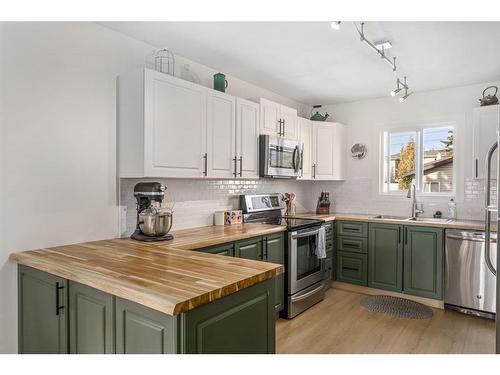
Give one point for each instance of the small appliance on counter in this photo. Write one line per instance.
(153, 222)
(323, 206)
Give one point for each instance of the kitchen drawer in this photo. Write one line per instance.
(222, 249)
(356, 244)
(352, 228)
(352, 268)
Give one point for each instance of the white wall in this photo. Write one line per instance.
(365, 120)
(57, 141)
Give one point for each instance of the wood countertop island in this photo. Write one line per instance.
(165, 276)
(125, 296)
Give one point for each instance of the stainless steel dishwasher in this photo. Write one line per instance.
(470, 287)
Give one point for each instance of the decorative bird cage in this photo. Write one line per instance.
(164, 61)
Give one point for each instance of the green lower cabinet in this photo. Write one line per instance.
(226, 249)
(385, 257)
(351, 268)
(42, 312)
(423, 262)
(91, 320)
(274, 252)
(241, 323)
(249, 249)
(141, 330)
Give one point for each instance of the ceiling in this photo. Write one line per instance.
(314, 64)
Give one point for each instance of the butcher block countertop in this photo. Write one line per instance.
(197, 238)
(428, 222)
(165, 276)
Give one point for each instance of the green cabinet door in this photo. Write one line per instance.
(241, 323)
(91, 320)
(351, 268)
(274, 252)
(42, 312)
(222, 249)
(249, 249)
(141, 330)
(423, 262)
(385, 257)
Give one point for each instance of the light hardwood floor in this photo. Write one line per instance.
(339, 324)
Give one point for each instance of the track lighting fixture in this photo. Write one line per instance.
(403, 98)
(399, 86)
(335, 25)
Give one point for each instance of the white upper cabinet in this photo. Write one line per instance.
(169, 127)
(305, 136)
(162, 126)
(278, 120)
(327, 150)
(247, 138)
(270, 120)
(221, 134)
(485, 123)
(289, 122)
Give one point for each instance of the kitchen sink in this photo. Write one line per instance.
(430, 219)
(403, 218)
(389, 217)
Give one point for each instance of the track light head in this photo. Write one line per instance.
(335, 25)
(395, 92)
(403, 98)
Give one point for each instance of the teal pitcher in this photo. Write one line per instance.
(220, 82)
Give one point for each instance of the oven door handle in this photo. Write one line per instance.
(296, 235)
(308, 294)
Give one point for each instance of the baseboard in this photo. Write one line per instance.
(372, 291)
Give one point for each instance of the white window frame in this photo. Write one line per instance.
(384, 166)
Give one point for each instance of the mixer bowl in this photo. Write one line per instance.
(155, 224)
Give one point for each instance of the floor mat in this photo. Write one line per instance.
(398, 307)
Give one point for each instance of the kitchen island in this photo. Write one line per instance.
(124, 296)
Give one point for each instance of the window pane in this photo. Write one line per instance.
(438, 160)
(400, 160)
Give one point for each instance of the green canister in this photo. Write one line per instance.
(220, 83)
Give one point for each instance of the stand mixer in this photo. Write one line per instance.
(153, 224)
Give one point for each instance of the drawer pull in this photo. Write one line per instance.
(351, 243)
(350, 268)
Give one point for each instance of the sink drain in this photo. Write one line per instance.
(398, 307)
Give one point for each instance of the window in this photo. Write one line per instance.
(422, 156)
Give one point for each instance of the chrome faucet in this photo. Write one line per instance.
(414, 206)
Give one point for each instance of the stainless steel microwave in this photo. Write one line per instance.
(279, 157)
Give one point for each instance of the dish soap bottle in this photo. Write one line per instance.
(452, 209)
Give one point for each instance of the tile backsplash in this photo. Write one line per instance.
(196, 200)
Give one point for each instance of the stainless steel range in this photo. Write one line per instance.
(305, 271)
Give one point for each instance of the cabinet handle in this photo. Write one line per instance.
(283, 127)
(406, 236)
(58, 301)
(264, 250)
(314, 170)
(241, 166)
(205, 164)
(399, 235)
(302, 163)
(475, 168)
(235, 171)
